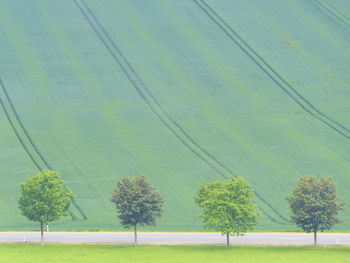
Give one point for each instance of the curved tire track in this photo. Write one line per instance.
(269, 67)
(29, 138)
(305, 104)
(22, 126)
(18, 136)
(154, 104)
(332, 10)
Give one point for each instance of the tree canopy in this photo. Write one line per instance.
(315, 204)
(44, 198)
(137, 202)
(228, 206)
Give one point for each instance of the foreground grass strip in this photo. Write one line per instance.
(193, 254)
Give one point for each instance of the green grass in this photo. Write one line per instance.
(178, 254)
(89, 122)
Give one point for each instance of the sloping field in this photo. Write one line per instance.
(184, 91)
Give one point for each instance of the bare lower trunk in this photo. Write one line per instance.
(228, 239)
(315, 238)
(42, 233)
(135, 234)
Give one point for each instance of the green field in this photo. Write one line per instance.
(183, 91)
(167, 254)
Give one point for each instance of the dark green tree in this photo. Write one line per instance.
(228, 206)
(45, 198)
(137, 202)
(315, 204)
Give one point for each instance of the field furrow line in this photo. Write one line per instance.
(8, 117)
(147, 96)
(22, 126)
(297, 97)
(133, 81)
(333, 11)
(269, 67)
(29, 138)
(153, 98)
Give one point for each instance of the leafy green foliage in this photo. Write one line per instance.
(228, 206)
(315, 204)
(44, 197)
(137, 201)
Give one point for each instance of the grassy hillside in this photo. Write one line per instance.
(182, 91)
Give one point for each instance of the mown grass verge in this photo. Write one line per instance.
(193, 254)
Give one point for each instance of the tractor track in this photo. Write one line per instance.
(29, 138)
(142, 95)
(139, 79)
(18, 136)
(305, 104)
(332, 10)
(298, 94)
(22, 126)
(154, 104)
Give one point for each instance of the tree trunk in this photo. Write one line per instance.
(228, 239)
(315, 238)
(135, 235)
(42, 233)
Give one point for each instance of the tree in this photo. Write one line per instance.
(137, 202)
(45, 198)
(228, 206)
(315, 205)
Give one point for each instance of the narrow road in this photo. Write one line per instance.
(176, 238)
